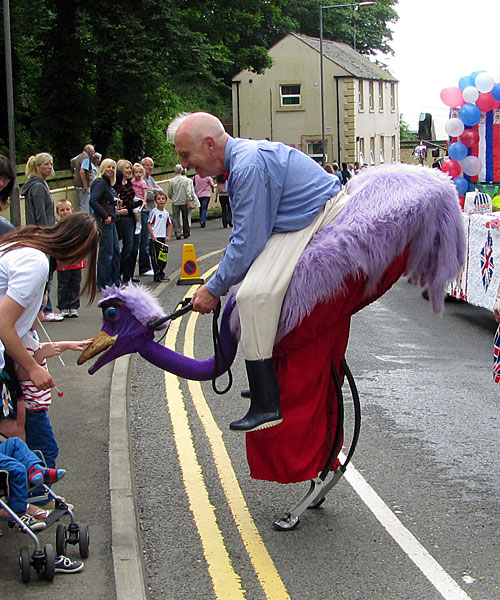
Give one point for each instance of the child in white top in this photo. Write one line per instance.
(160, 229)
(140, 188)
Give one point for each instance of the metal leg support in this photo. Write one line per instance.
(319, 487)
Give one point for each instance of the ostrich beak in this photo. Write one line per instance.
(102, 342)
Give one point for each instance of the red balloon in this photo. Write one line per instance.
(452, 167)
(485, 102)
(470, 137)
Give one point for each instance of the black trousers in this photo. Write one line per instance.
(158, 252)
(227, 217)
(68, 288)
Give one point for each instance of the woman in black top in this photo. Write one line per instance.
(103, 203)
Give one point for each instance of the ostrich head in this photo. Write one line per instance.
(126, 312)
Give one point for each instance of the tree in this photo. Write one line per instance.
(404, 131)
(115, 73)
(368, 26)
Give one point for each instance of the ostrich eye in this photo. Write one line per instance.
(111, 313)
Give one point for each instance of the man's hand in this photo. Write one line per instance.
(204, 301)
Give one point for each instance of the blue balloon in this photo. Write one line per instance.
(474, 74)
(469, 114)
(462, 185)
(457, 151)
(465, 81)
(495, 92)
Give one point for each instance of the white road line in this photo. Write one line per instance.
(444, 584)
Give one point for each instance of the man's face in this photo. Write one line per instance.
(194, 155)
(148, 167)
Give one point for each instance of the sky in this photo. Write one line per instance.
(435, 43)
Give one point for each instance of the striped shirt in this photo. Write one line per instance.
(34, 399)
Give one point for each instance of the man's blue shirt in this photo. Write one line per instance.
(272, 188)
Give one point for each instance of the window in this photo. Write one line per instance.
(393, 148)
(372, 150)
(361, 152)
(381, 152)
(381, 96)
(290, 95)
(361, 96)
(393, 97)
(371, 99)
(315, 150)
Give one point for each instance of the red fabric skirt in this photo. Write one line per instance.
(298, 448)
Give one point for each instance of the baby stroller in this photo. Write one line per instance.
(43, 558)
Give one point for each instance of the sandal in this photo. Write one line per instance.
(38, 513)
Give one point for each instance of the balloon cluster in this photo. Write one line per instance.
(476, 93)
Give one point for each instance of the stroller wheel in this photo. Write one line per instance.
(25, 564)
(50, 562)
(61, 542)
(84, 541)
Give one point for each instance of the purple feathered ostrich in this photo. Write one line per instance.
(399, 219)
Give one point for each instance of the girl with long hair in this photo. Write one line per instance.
(24, 271)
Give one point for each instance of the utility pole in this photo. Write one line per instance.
(15, 210)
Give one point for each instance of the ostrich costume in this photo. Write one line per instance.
(400, 219)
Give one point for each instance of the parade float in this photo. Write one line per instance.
(473, 163)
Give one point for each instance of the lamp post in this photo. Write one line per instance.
(322, 92)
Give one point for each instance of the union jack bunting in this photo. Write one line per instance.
(487, 266)
(493, 224)
(496, 357)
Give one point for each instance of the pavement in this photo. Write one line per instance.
(91, 423)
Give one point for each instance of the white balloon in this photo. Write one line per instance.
(471, 165)
(454, 127)
(484, 82)
(470, 94)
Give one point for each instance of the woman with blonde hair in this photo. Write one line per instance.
(24, 270)
(39, 206)
(103, 203)
(130, 241)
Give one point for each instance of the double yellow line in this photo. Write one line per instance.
(226, 582)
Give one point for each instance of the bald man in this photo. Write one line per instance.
(279, 199)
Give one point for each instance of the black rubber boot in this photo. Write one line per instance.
(265, 408)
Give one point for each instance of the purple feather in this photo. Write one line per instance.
(389, 208)
(138, 299)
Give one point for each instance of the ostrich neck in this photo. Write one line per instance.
(190, 368)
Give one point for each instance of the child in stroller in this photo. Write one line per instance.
(25, 469)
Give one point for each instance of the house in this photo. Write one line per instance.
(284, 103)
